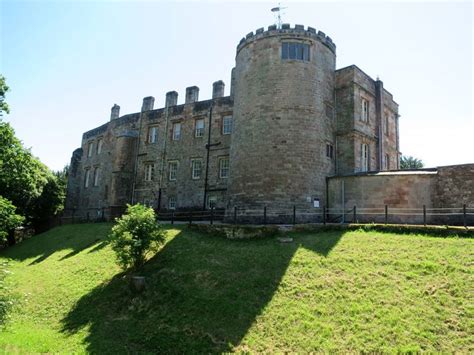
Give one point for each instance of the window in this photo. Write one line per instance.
(152, 135)
(329, 150)
(87, 178)
(90, 147)
(365, 111)
(196, 167)
(227, 125)
(96, 177)
(172, 202)
(199, 128)
(385, 127)
(173, 170)
(211, 202)
(100, 142)
(176, 131)
(224, 168)
(387, 162)
(329, 111)
(364, 151)
(293, 50)
(149, 172)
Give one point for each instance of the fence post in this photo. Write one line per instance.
(172, 217)
(386, 214)
(190, 217)
(464, 215)
(354, 217)
(294, 214)
(235, 215)
(264, 214)
(324, 215)
(212, 214)
(424, 215)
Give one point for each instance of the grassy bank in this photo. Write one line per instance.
(335, 290)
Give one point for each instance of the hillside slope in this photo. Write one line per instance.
(328, 291)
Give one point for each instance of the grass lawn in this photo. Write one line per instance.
(327, 291)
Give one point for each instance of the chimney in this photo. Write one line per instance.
(192, 94)
(171, 99)
(218, 89)
(115, 112)
(148, 103)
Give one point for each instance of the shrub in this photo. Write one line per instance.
(135, 234)
(9, 220)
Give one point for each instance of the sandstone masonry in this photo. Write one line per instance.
(291, 121)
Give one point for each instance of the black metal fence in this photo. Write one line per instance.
(385, 214)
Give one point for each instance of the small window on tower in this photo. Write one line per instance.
(329, 111)
(294, 50)
(329, 150)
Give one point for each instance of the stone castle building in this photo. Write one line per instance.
(291, 121)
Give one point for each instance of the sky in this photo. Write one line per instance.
(68, 62)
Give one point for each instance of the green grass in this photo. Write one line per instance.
(327, 291)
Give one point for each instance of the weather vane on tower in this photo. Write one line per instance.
(278, 12)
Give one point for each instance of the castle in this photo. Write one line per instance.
(291, 125)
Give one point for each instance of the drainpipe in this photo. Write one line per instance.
(135, 168)
(378, 117)
(208, 148)
(163, 157)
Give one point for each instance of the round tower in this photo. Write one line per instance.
(283, 140)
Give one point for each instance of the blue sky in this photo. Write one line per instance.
(68, 62)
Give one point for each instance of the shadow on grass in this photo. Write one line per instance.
(69, 237)
(203, 294)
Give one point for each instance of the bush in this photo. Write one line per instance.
(9, 220)
(136, 234)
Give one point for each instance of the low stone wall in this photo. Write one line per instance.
(443, 191)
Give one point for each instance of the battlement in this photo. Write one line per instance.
(298, 30)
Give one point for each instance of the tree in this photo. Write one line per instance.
(28, 185)
(9, 220)
(49, 203)
(135, 235)
(3, 89)
(22, 176)
(408, 162)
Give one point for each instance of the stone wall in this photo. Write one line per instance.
(278, 152)
(352, 86)
(441, 190)
(120, 167)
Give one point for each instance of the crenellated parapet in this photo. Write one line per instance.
(298, 30)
